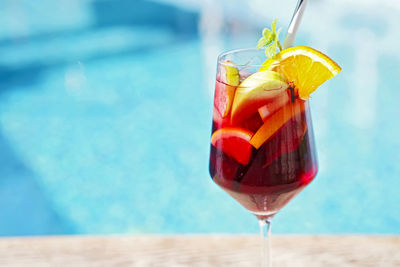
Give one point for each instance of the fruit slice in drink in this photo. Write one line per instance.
(304, 67)
(256, 91)
(270, 108)
(274, 122)
(234, 142)
(225, 87)
(227, 81)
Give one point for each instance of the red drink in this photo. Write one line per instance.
(263, 179)
(262, 143)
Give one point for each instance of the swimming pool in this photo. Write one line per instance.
(105, 117)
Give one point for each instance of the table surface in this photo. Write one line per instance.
(199, 250)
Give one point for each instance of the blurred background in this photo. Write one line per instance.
(105, 116)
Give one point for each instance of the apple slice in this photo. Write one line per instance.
(272, 107)
(234, 142)
(276, 121)
(254, 92)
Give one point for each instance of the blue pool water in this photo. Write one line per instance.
(105, 115)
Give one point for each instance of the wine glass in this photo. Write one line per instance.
(262, 145)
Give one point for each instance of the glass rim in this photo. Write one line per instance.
(221, 61)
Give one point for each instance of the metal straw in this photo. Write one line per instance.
(294, 23)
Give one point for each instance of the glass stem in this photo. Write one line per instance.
(265, 234)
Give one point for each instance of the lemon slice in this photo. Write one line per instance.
(304, 67)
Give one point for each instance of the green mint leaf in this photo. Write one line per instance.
(266, 33)
(277, 33)
(272, 37)
(270, 40)
(276, 37)
(263, 42)
(270, 51)
(273, 26)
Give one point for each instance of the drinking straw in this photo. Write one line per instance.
(294, 23)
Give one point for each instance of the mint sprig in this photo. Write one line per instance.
(270, 40)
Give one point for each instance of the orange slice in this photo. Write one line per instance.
(276, 121)
(234, 142)
(304, 67)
